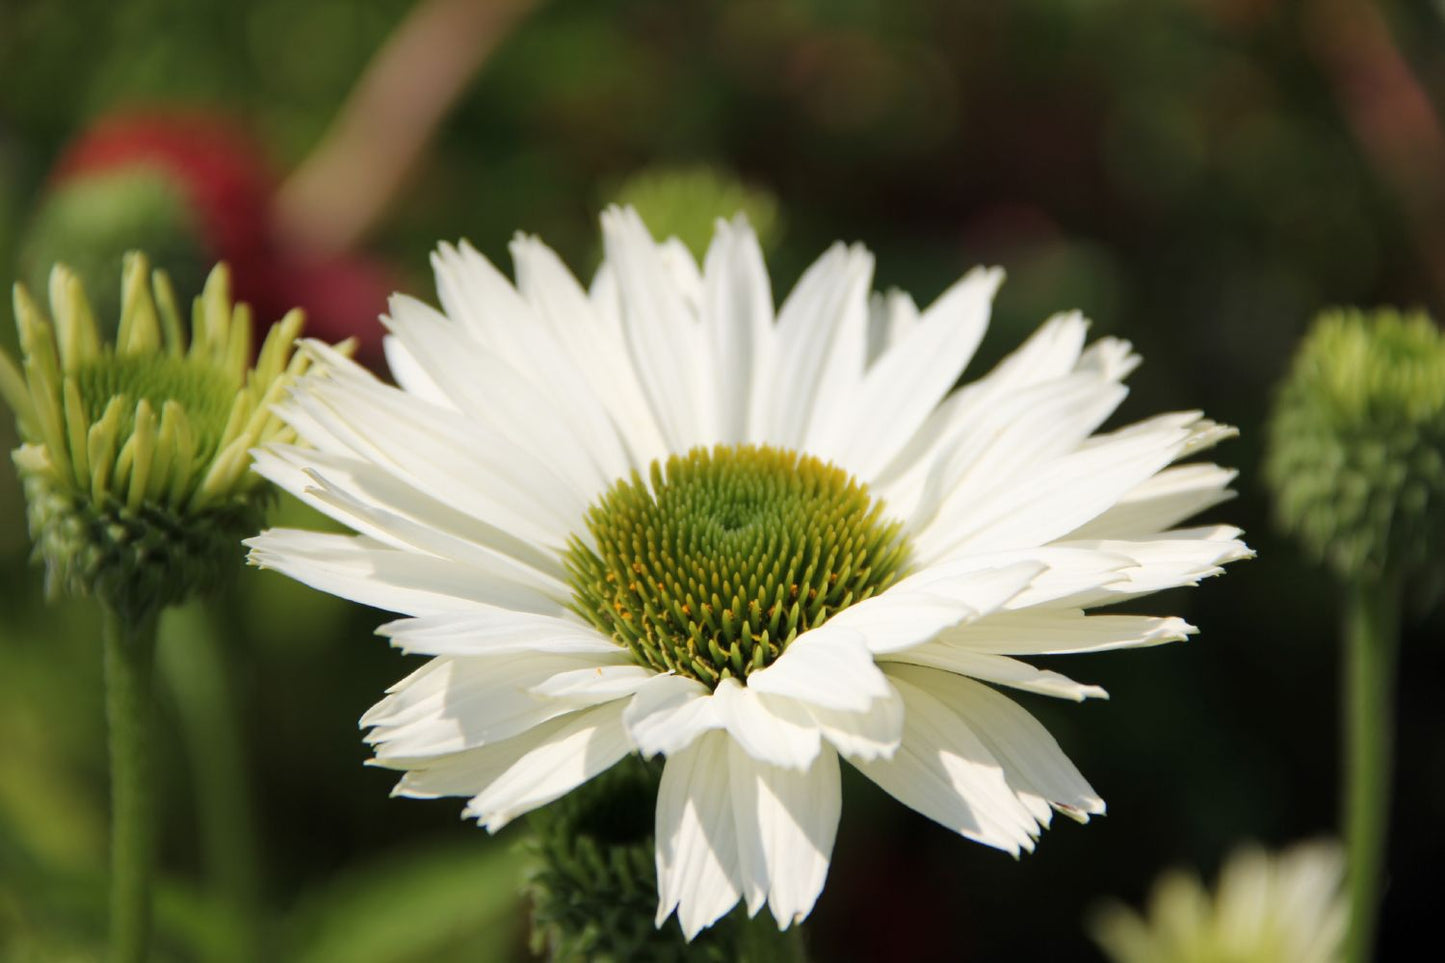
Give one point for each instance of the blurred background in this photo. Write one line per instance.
(1199, 176)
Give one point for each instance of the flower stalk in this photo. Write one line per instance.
(1372, 630)
(130, 644)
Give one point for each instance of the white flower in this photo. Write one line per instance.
(633, 519)
(1268, 909)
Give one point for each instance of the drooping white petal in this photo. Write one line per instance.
(453, 704)
(592, 741)
(668, 713)
(917, 608)
(787, 821)
(697, 844)
(996, 668)
(592, 684)
(1161, 502)
(1062, 632)
(511, 777)
(873, 733)
(946, 773)
(833, 669)
(773, 729)
(1057, 497)
(1033, 763)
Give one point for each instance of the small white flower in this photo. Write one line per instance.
(1268, 908)
(659, 517)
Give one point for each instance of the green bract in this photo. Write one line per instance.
(135, 457)
(713, 568)
(1357, 442)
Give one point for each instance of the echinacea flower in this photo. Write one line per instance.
(660, 517)
(136, 454)
(1267, 908)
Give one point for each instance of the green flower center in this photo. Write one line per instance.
(716, 565)
(202, 390)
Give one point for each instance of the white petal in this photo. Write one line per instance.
(591, 742)
(662, 333)
(737, 315)
(365, 496)
(1033, 762)
(833, 669)
(1170, 560)
(996, 668)
(541, 762)
(668, 713)
(363, 570)
(786, 824)
(595, 340)
(495, 631)
(544, 408)
(946, 773)
(1162, 501)
(773, 729)
(697, 845)
(454, 704)
(917, 608)
(594, 684)
(831, 295)
(871, 734)
(1056, 498)
(1063, 632)
(910, 377)
(409, 373)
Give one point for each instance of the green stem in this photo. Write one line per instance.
(760, 941)
(130, 644)
(196, 656)
(1372, 629)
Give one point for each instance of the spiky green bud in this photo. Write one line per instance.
(136, 455)
(1357, 443)
(686, 202)
(594, 884)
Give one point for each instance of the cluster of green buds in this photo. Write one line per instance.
(135, 457)
(1357, 443)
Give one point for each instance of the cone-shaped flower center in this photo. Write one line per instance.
(716, 564)
(202, 390)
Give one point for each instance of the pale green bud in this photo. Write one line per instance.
(135, 456)
(686, 202)
(1356, 451)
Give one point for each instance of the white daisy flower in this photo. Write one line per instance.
(660, 517)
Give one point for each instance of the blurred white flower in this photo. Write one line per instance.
(658, 517)
(1267, 909)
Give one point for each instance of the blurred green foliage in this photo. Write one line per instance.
(1181, 170)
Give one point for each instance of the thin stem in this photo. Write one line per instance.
(196, 656)
(761, 942)
(1372, 629)
(130, 643)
